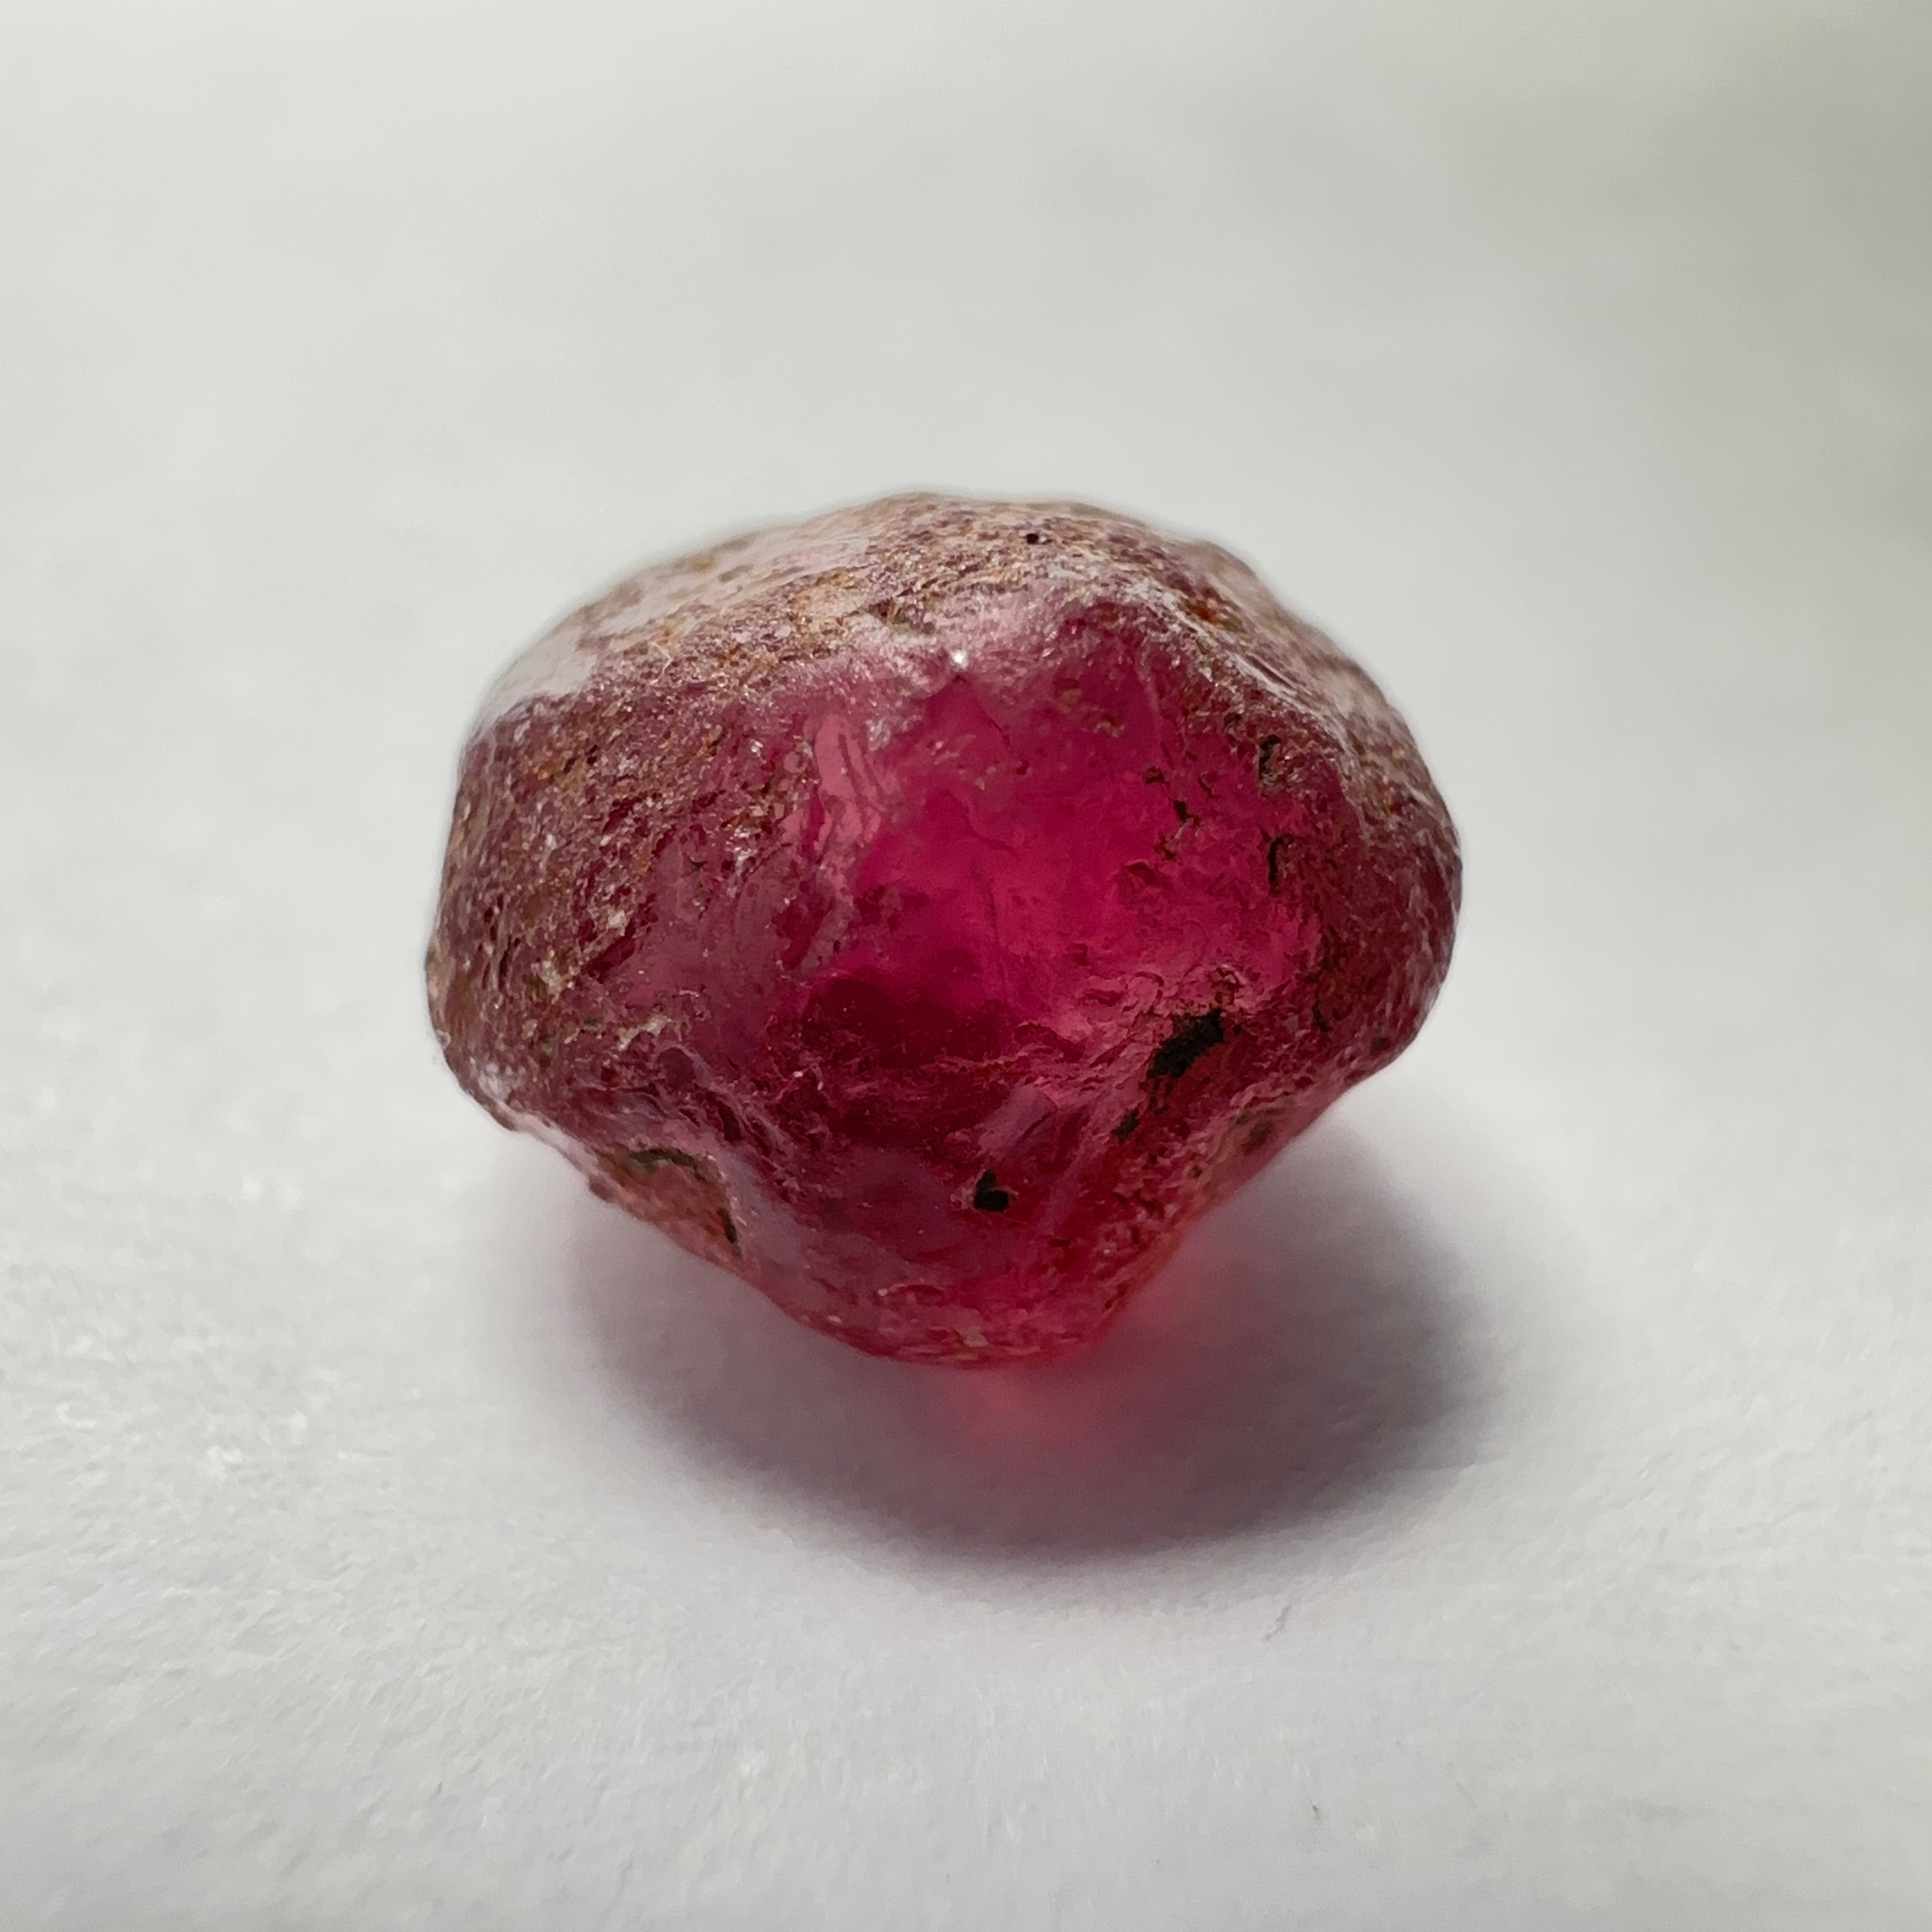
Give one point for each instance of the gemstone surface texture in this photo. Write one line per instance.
(928, 910)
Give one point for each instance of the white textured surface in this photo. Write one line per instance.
(1532, 1529)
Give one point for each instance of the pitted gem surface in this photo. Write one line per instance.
(927, 911)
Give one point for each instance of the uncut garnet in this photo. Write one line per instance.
(928, 910)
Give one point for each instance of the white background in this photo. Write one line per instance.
(1516, 1513)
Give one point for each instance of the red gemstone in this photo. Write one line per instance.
(928, 910)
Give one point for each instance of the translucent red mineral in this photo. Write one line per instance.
(928, 910)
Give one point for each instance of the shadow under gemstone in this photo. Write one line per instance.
(1311, 1344)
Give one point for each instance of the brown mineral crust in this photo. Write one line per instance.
(926, 910)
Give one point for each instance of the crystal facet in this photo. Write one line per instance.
(928, 910)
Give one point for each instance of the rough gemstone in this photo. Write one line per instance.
(928, 910)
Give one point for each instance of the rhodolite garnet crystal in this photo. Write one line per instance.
(928, 910)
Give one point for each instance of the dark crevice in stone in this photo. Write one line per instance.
(643, 1160)
(989, 1197)
(1193, 1035)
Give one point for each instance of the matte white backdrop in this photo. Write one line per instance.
(1516, 1513)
